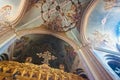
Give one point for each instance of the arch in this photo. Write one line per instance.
(21, 11)
(39, 30)
(84, 20)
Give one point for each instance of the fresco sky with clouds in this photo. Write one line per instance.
(104, 21)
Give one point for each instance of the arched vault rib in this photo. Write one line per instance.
(20, 13)
(96, 68)
(40, 30)
(84, 20)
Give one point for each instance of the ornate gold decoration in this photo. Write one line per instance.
(10, 70)
(47, 56)
(65, 20)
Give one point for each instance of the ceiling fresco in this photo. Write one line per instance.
(45, 49)
(103, 29)
(8, 9)
(37, 48)
(103, 34)
(61, 15)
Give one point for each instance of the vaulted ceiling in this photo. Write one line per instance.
(55, 15)
(84, 22)
(72, 17)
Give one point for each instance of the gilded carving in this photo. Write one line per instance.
(29, 71)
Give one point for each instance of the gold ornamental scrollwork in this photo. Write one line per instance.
(28, 71)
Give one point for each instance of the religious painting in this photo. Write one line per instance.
(66, 18)
(62, 15)
(19, 47)
(8, 9)
(70, 55)
(103, 25)
(44, 49)
(5, 13)
(103, 32)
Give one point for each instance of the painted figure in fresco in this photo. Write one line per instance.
(109, 4)
(5, 12)
(102, 40)
(70, 50)
(56, 24)
(71, 13)
(5, 15)
(75, 12)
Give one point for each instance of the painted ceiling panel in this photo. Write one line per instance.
(103, 34)
(8, 9)
(103, 24)
(35, 17)
(34, 44)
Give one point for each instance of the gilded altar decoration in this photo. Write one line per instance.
(10, 70)
(47, 56)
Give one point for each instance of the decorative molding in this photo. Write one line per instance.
(20, 13)
(97, 70)
(42, 30)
